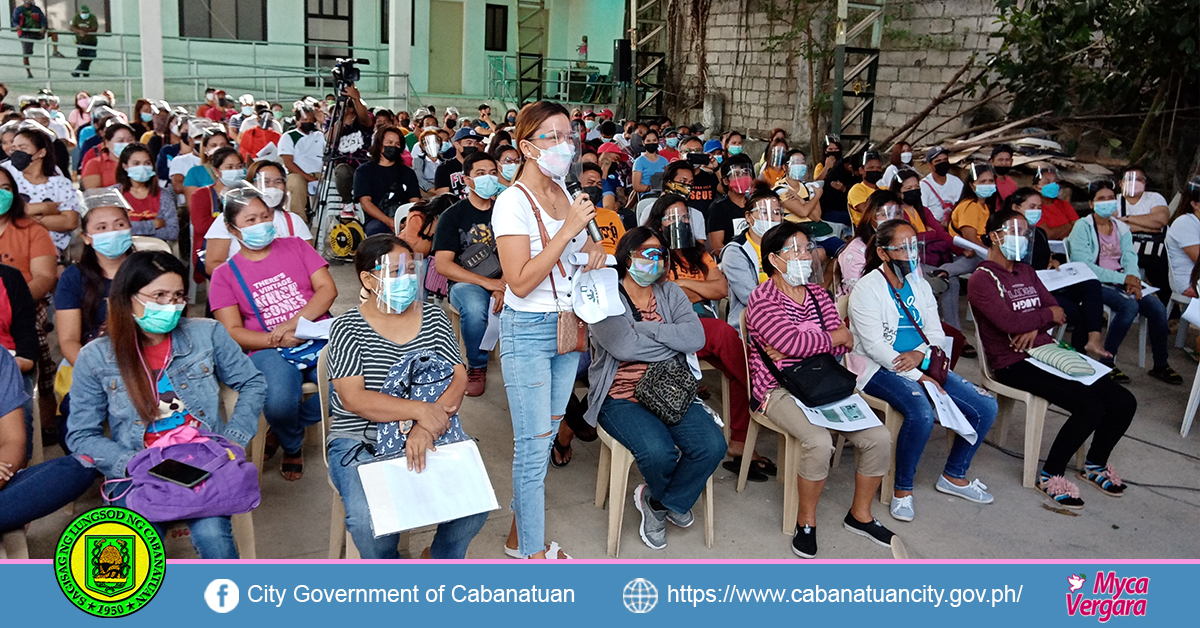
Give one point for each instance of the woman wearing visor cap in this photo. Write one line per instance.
(897, 338)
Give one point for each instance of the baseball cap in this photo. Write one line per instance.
(712, 145)
(607, 113)
(467, 134)
(934, 152)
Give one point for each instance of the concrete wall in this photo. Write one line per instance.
(925, 42)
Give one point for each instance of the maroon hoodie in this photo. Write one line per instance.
(1007, 304)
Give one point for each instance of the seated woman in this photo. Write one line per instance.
(364, 344)
(27, 495)
(1013, 310)
(793, 319)
(979, 200)
(895, 321)
(741, 260)
(695, 271)
(81, 299)
(205, 203)
(270, 179)
(1106, 246)
(804, 206)
(658, 324)
(102, 171)
(128, 380)
(152, 210)
(260, 295)
(212, 138)
(1081, 301)
(1058, 216)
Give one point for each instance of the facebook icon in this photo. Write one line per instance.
(222, 595)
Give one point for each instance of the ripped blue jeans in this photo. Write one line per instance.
(539, 382)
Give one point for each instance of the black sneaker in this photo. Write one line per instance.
(872, 530)
(804, 541)
(1119, 377)
(1167, 375)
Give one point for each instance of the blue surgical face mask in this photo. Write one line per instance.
(1104, 209)
(488, 186)
(146, 117)
(141, 174)
(672, 142)
(159, 319)
(446, 146)
(395, 294)
(508, 171)
(1014, 247)
(720, 158)
(119, 148)
(734, 150)
(258, 236)
(229, 176)
(797, 171)
(590, 124)
(1050, 190)
(113, 244)
(1033, 217)
(985, 190)
(645, 272)
(6, 199)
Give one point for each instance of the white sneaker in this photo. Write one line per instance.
(975, 492)
(902, 508)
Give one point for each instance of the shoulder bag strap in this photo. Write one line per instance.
(896, 295)
(291, 228)
(820, 314)
(246, 289)
(537, 214)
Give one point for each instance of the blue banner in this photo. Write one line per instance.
(597, 593)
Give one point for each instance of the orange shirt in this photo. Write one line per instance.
(105, 166)
(679, 272)
(611, 228)
(21, 244)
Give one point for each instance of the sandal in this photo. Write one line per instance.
(271, 446)
(564, 453)
(292, 467)
(765, 465)
(754, 474)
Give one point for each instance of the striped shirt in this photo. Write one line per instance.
(793, 329)
(356, 349)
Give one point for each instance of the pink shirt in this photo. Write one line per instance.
(281, 283)
(1110, 250)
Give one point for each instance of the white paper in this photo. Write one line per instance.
(1058, 246)
(851, 414)
(581, 259)
(964, 243)
(1065, 275)
(453, 485)
(949, 415)
(308, 330)
(270, 152)
(1192, 313)
(492, 334)
(694, 363)
(1148, 289)
(1086, 380)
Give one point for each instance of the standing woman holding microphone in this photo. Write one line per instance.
(538, 228)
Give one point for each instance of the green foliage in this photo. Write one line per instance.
(1084, 57)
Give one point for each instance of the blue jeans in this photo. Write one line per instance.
(212, 537)
(42, 489)
(285, 413)
(471, 301)
(908, 397)
(539, 382)
(375, 226)
(676, 461)
(28, 409)
(452, 537)
(1125, 309)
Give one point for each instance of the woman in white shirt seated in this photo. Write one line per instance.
(270, 178)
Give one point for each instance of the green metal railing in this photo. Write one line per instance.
(564, 80)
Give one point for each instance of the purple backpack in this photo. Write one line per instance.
(231, 489)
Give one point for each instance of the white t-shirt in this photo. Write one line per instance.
(950, 192)
(287, 225)
(306, 150)
(180, 164)
(1185, 231)
(58, 189)
(513, 215)
(1149, 201)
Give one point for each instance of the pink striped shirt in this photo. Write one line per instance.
(793, 329)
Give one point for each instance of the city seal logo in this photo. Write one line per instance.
(110, 562)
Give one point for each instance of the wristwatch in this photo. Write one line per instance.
(406, 426)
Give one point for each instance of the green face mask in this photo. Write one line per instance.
(6, 199)
(159, 319)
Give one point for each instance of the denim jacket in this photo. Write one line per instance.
(202, 356)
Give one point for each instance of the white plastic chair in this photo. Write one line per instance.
(1143, 327)
(337, 518)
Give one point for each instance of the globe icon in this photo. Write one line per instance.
(640, 596)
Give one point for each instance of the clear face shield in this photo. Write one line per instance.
(677, 227)
(1014, 239)
(273, 187)
(431, 145)
(904, 257)
(890, 211)
(767, 213)
(557, 152)
(96, 198)
(397, 281)
(775, 156)
(741, 180)
(795, 261)
(1133, 183)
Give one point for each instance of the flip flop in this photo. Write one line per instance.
(562, 451)
(292, 467)
(754, 474)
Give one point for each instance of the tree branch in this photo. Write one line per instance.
(948, 91)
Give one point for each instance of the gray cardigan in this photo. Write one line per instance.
(620, 338)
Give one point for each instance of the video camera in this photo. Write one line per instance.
(345, 72)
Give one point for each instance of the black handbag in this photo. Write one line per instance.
(817, 380)
(668, 387)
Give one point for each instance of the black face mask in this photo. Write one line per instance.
(651, 148)
(451, 122)
(308, 127)
(468, 151)
(912, 198)
(20, 159)
(834, 154)
(900, 267)
(942, 168)
(872, 176)
(390, 153)
(596, 194)
(1001, 170)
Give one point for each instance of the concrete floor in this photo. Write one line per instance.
(1155, 519)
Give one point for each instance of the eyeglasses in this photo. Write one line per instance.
(650, 254)
(510, 160)
(165, 298)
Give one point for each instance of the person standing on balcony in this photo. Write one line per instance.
(84, 25)
(30, 22)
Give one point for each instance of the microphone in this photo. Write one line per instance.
(593, 229)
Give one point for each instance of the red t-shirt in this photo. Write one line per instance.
(143, 208)
(1056, 213)
(104, 166)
